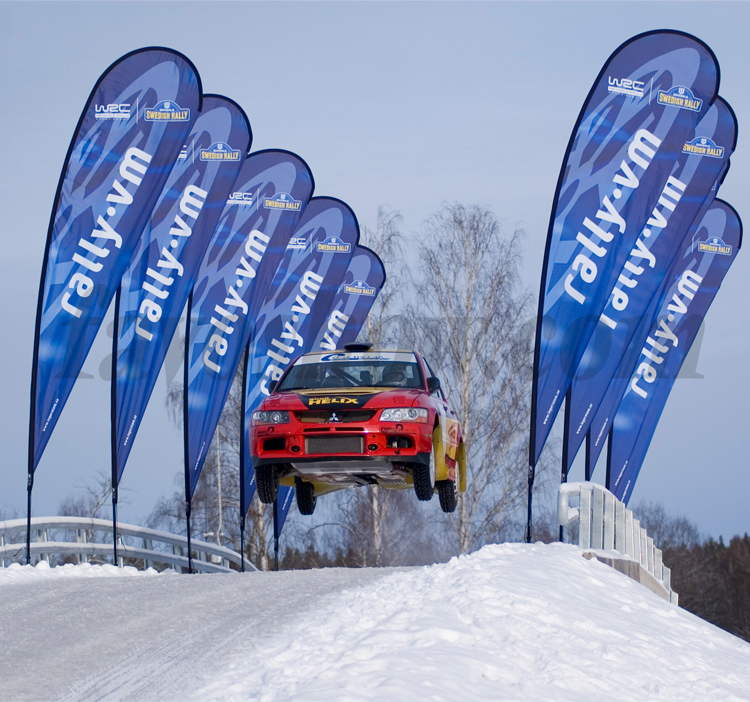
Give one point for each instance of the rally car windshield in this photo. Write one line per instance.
(352, 373)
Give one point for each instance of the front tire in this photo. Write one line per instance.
(267, 483)
(305, 494)
(424, 479)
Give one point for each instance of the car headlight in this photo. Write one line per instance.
(404, 414)
(271, 417)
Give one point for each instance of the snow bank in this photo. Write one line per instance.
(16, 573)
(510, 622)
(519, 622)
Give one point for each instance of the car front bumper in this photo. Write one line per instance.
(368, 448)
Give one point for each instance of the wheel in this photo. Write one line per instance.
(447, 494)
(305, 493)
(424, 479)
(267, 482)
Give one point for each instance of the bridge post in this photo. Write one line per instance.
(148, 546)
(605, 524)
(41, 536)
(81, 539)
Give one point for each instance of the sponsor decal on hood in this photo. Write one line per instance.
(315, 401)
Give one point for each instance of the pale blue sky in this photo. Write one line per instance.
(405, 104)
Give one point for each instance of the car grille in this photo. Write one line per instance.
(343, 416)
(334, 444)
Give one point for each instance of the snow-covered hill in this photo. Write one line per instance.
(510, 622)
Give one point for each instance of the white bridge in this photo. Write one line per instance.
(53, 537)
(609, 532)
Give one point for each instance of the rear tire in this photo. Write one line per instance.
(267, 483)
(305, 493)
(447, 494)
(424, 479)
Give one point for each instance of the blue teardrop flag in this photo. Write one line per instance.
(643, 107)
(156, 285)
(255, 229)
(363, 280)
(297, 303)
(694, 284)
(128, 138)
(690, 189)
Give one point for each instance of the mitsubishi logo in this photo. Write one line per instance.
(334, 418)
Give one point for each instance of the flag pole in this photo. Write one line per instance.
(113, 423)
(566, 437)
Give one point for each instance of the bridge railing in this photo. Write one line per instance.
(90, 541)
(606, 525)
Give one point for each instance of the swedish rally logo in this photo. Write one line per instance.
(220, 151)
(167, 111)
(681, 97)
(333, 245)
(359, 287)
(715, 245)
(703, 146)
(282, 201)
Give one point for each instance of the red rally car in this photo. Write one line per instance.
(353, 417)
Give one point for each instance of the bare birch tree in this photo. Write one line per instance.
(385, 240)
(94, 503)
(469, 319)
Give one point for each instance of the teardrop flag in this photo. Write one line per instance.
(256, 225)
(363, 280)
(297, 302)
(156, 284)
(693, 290)
(690, 189)
(128, 138)
(649, 97)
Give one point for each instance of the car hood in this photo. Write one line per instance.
(371, 398)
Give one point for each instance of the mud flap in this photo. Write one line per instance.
(441, 469)
(461, 459)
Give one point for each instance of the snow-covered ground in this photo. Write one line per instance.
(534, 623)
